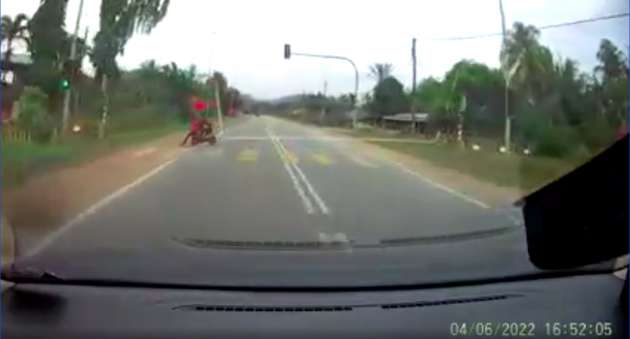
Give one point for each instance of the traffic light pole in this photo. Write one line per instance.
(356, 78)
(73, 55)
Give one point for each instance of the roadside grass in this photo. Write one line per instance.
(374, 132)
(23, 160)
(524, 172)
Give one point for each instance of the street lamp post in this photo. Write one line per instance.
(356, 74)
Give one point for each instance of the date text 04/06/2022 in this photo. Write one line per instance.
(529, 329)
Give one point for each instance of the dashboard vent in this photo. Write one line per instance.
(338, 308)
(449, 237)
(276, 309)
(449, 301)
(262, 245)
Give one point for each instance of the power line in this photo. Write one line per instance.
(564, 24)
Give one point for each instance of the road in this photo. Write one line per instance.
(276, 181)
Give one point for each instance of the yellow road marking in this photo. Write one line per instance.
(248, 155)
(291, 157)
(322, 158)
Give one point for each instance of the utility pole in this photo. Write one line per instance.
(508, 122)
(322, 114)
(413, 87)
(73, 54)
(217, 101)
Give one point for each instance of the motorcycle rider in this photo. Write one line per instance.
(200, 130)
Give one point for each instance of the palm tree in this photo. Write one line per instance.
(528, 62)
(119, 21)
(381, 71)
(13, 29)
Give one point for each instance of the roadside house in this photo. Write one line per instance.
(404, 121)
(13, 80)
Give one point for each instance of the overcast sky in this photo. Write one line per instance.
(244, 39)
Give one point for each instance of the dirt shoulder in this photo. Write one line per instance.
(47, 201)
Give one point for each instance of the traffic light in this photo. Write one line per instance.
(287, 51)
(64, 84)
(200, 105)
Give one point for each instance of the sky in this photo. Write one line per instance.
(244, 38)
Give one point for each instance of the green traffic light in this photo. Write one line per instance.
(65, 84)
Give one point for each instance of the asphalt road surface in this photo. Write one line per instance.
(272, 180)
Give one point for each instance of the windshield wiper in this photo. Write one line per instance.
(17, 274)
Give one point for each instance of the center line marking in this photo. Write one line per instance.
(320, 202)
(308, 205)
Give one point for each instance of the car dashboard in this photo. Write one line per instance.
(539, 308)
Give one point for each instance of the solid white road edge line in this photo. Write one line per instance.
(308, 205)
(320, 202)
(323, 138)
(442, 187)
(100, 204)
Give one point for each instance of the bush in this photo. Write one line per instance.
(141, 118)
(33, 116)
(556, 142)
(597, 133)
(536, 130)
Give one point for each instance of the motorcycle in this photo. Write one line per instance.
(203, 134)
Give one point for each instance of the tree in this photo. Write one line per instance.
(13, 29)
(523, 53)
(482, 88)
(389, 97)
(48, 38)
(119, 20)
(233, 98)
(612, 81)
(219, 80)
(381, 71)
(612, 61)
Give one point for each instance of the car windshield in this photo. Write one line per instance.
(336, 142)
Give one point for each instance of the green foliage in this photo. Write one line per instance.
(119, 20)
(47, 29)
(612, 61)
(556, 141)
(556, 109)
(389, 98)
(218, 79)
(48, 39)
(156, 94)
(596, 133)
(33, 116)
